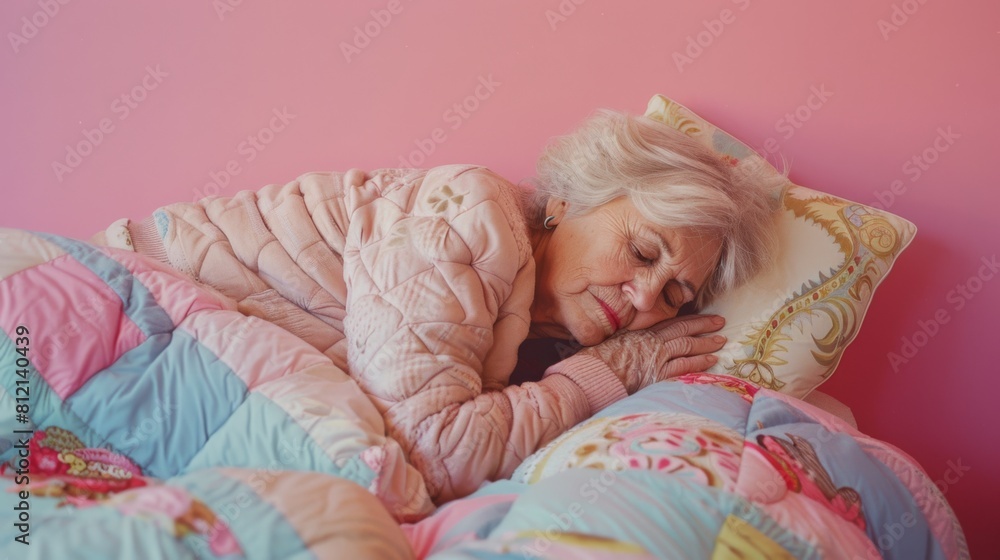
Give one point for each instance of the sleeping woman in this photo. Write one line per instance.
(422, 284)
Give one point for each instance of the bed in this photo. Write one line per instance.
(160, 424)
(143, 416)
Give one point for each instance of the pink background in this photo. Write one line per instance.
(225, 74)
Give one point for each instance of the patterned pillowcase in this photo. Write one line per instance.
(789, 326)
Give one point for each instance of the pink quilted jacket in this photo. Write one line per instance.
(417, 283)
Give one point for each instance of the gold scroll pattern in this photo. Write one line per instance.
(673, 114)
(868, 242)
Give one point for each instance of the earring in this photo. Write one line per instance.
(546, 225)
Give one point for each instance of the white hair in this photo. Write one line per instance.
(671, 178)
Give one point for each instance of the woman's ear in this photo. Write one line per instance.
(556, 207)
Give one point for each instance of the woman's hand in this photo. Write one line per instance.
(668, 349)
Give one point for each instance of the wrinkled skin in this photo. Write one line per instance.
(615, 282)
(669, 349)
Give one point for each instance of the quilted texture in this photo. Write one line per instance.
(157, 421)
(418, 283)
(704, 466)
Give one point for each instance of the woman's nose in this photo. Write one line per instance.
(642, 294)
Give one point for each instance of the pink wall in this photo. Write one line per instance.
(197, 83)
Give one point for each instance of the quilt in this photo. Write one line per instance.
(142, 416)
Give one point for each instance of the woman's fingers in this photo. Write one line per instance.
(688, 354)
(688, 325)
(671, 348)
(694, 345)
(687, 364)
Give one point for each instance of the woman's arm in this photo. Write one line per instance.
(459, 437)
(275, 252)
(438, 302)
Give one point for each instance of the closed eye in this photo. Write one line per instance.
(640, 256)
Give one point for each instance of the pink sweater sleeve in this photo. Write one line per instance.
(459, 437)
(599, 384)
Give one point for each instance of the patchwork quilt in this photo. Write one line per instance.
(142, 416)
(703, 466)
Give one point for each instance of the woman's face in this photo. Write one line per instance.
(612, 269)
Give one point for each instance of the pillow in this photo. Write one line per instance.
(789, 326)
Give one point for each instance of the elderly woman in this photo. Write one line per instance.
(422, 284)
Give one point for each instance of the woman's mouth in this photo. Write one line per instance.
(616, 323)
